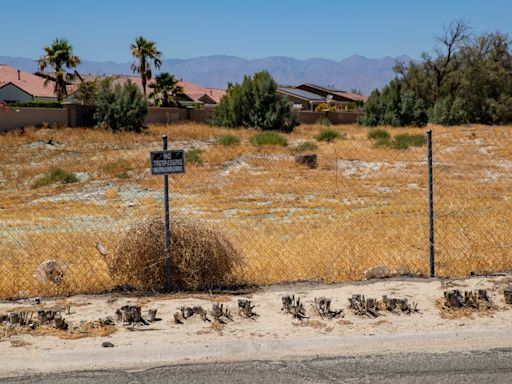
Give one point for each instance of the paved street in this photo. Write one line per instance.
(493, 366)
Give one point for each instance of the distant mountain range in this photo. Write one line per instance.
(354, 72)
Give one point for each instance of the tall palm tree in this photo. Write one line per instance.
(59, 56)
(145, 51)
(165, 90)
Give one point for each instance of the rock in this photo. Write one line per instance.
(378, 272)
(107, 344)
(308, 160)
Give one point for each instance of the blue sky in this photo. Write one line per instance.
(332, 29)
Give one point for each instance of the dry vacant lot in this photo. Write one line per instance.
(362, 207)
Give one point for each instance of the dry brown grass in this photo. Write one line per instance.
(363, 206)
(201, 256)
(468, 312)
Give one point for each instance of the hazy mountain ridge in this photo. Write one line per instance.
(216, 71)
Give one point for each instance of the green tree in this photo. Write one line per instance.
(396, 106)
(255, 104)
(120, 108)
(86, 92)
(145, 51)
(59, 56)
(468, 79)
(165, 90)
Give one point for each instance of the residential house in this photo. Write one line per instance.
(20, 86)
(337, 97)
(302, 100)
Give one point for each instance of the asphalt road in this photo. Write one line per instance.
(494, 366)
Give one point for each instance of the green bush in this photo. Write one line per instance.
(379, 134)
(54, 176)
(323, 120)
(193, 156)
(402, 141)
(255, 104)
(328, 135)
(227, 140)
(395, 106)
(449, 111)
(122, 108)
(37, 104)
(306, 146)
(322, 107)
(268, 138)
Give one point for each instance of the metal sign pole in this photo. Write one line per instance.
(430, 205)
(168, 281)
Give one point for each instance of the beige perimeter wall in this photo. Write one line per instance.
(16, 118)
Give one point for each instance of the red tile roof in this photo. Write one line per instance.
(193, 91)
(31, 84)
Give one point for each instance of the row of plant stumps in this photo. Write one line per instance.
(131, 315)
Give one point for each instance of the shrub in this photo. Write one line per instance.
(255, 104)
(402, 141)
(379, 134)
(54, 176)
(306, 146)
(449, 111)
(322, 107)
(202, 257)
(323, 120)
(268, 138)
(327, 135)
(395, 106)
(37, 104)
(122, 108)
(227, 140)
(193, 156)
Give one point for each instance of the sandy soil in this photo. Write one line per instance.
(272, 335)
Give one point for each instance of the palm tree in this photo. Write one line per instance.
(144, 51)
(59, 56)
(165, 90)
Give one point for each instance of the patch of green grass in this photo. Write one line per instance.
(328, 135)
(416, 140)
(193, 156)
(379, 134)
(227, 140)
(55, 176)
(268, 138)
(323, 120)
(306, 146)
(402, 141)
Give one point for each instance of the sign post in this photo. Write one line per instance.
(164, 163)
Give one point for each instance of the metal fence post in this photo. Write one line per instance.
(168, 281)
(430, 204)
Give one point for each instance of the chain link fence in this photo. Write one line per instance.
(71, 195)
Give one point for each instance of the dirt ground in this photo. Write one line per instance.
(272, 334)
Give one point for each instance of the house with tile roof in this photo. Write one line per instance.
(340, 97)
(307, 96)
(20, 86)
(193, 94)
(302, 100)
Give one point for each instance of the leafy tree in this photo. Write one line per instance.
(165, 90)
(468, 79)
(86, 92)
(255, 104)
(120, 108)
(396, 106)
(59, 56)
(144, 51)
